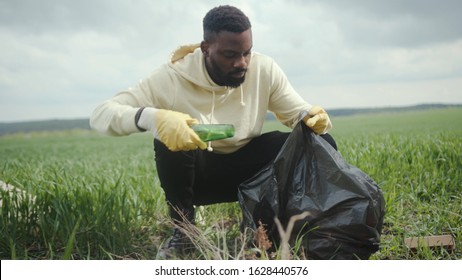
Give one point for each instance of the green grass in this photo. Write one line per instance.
(96, 197)
(416, 159)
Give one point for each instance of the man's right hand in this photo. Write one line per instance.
(173, 129)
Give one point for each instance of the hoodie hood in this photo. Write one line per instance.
(188, 62)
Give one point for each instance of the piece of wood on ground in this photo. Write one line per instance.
(434, 241)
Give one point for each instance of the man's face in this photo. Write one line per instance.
(227, 57)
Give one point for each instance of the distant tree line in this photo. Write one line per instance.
(56, 124)
(47, 125)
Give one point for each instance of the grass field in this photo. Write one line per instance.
(87, 196)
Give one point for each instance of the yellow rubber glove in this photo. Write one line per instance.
(318, 120)
(173, 129)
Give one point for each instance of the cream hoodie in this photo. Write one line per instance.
(184, 85)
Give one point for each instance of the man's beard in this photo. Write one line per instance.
(227, 79)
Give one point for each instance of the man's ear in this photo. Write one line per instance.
(205, 48)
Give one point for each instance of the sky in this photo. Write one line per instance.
(59, 59)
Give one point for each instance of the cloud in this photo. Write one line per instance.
(75, 54)
(395, 23)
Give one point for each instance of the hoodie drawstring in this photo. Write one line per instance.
(212, 112)
(242, 97)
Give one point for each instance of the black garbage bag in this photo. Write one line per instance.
(345, 206)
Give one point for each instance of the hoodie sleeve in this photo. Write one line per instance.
(116, 116)
(285, 102)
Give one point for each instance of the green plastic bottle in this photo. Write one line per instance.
(211, 132)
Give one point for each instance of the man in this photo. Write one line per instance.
(219, 80)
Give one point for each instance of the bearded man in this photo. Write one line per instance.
(218, 81)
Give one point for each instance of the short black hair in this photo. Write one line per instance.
(224, 18)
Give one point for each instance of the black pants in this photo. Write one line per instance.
(201, 177)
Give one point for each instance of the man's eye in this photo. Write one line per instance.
(229, 55)
(236, 54)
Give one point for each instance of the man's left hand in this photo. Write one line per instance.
(318, 120)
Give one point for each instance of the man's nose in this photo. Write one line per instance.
(241, 62)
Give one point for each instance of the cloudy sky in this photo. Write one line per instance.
(61, 58)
